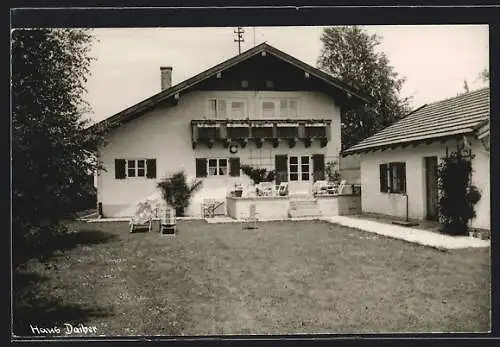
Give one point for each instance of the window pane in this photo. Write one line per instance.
(131, 172)
(294, 160)
(305, 168)
(305, 177)
(212, 162)
(294, 168)
(212, 171)
(223, 171)
(131, 163)
(292, 112)
(294, 177)
(141, 163)
(141, 172)
(212, 107)
(304, 160)
(223, 162)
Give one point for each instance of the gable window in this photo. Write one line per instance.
(216, 108)
(393, 177)
(268, 109)
(135, 168)
(299, 168)
(238, 109)
(288, 109)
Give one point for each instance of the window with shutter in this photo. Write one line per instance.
(393, 177)
(318, 167)
(383, 178)
(201, 167)
(120, 172)
(281, 166)
(234, 167)
(151, 168)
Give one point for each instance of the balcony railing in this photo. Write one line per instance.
(259, 131)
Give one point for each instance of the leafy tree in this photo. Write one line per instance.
(349, 54)
(52, 153)
(484, 75)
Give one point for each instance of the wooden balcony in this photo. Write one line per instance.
(259, 131)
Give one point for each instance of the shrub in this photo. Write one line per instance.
(177, 192)
(332, 171)
(258, 175)
(457, 195)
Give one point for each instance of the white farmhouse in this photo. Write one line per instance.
(262, 108)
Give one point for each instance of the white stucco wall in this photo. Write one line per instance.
(164, 133)
(372, 200)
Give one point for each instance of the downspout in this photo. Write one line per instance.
(406, 194)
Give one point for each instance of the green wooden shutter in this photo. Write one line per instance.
(151, 168)
(201, 167)
(281, 166)
(383, 178)
(120, 173)
(318, 167)
(234, 167)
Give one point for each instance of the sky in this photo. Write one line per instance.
(434, 59)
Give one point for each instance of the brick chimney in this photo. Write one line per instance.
(166, 77)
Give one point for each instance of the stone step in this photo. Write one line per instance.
(304, 213)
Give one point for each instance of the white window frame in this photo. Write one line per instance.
(218, 167)
(299, 171)
(136, 168)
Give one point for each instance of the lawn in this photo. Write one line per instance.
(282, 278)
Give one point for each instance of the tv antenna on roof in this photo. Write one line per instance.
(239, 37)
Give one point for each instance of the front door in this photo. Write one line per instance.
(431, 187)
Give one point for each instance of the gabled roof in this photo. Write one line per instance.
(460, 115)
(150, 102)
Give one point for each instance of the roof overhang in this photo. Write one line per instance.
(403, 144)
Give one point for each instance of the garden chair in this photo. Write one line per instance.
(338, 190)
(320, 187)
(267, 188)
(143, 217)
(283, 189)
(250, 222)
(168, 221)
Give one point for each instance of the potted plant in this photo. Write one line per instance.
(238, 190)
(177, 191)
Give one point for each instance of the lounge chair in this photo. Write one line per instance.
(338, 190)
(283, 189)
(143, 217)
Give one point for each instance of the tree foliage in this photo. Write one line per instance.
(350, 54)
(258, 175)
(52, 153)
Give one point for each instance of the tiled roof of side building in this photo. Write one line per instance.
(450, 117)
